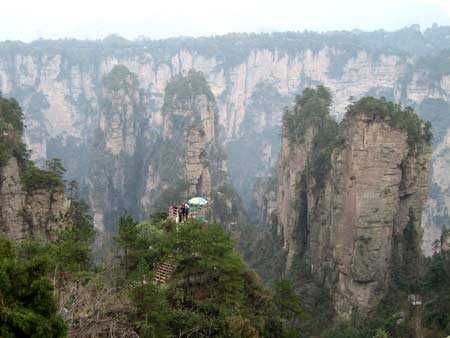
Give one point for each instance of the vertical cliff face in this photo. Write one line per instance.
(302, 136)
(32, 200)
(119, 111)
(190, 124)
(290, 180)
(191, 160)
(345, 214)
(119, 148)
(378, 185)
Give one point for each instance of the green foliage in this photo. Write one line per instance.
(404, 119)
(55, 166)
(288, 308)
(436, 286)
(437, 276)
(230, 302)
(159, 216)
(27, 308)
(126, 238)
(153, 314)
(312, 112)
(381, 334)
(11, 130)
(182, 90)
(325, 141)
(35, 178)
(120, 78)
(11, 114)
(71, 249)
(407, 273)
(311, 108)
(378, 324)
(433, 285)
(342, 331)
(73, 246)
(27, 304)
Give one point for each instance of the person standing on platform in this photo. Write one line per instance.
(182, 212)
(186, 210)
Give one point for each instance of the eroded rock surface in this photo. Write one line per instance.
(343, 228)
(38, 212)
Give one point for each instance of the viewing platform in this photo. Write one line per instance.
(196, 208)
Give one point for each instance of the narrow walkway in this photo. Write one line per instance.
(165, 270)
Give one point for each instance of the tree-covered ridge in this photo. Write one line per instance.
(182, 91)
(232, 49)
(403, 118)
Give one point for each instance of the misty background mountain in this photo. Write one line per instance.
(252, 76)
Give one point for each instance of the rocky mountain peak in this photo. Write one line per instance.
(190, 104)
(190, 140)
(349, 196)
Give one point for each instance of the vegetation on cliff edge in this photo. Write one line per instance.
(182, 91)
(403, 118)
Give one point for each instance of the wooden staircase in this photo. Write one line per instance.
(165, 270)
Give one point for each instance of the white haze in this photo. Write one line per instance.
(30, 19)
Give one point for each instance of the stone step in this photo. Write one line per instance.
(165, 270)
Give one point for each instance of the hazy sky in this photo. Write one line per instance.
(31, 19)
